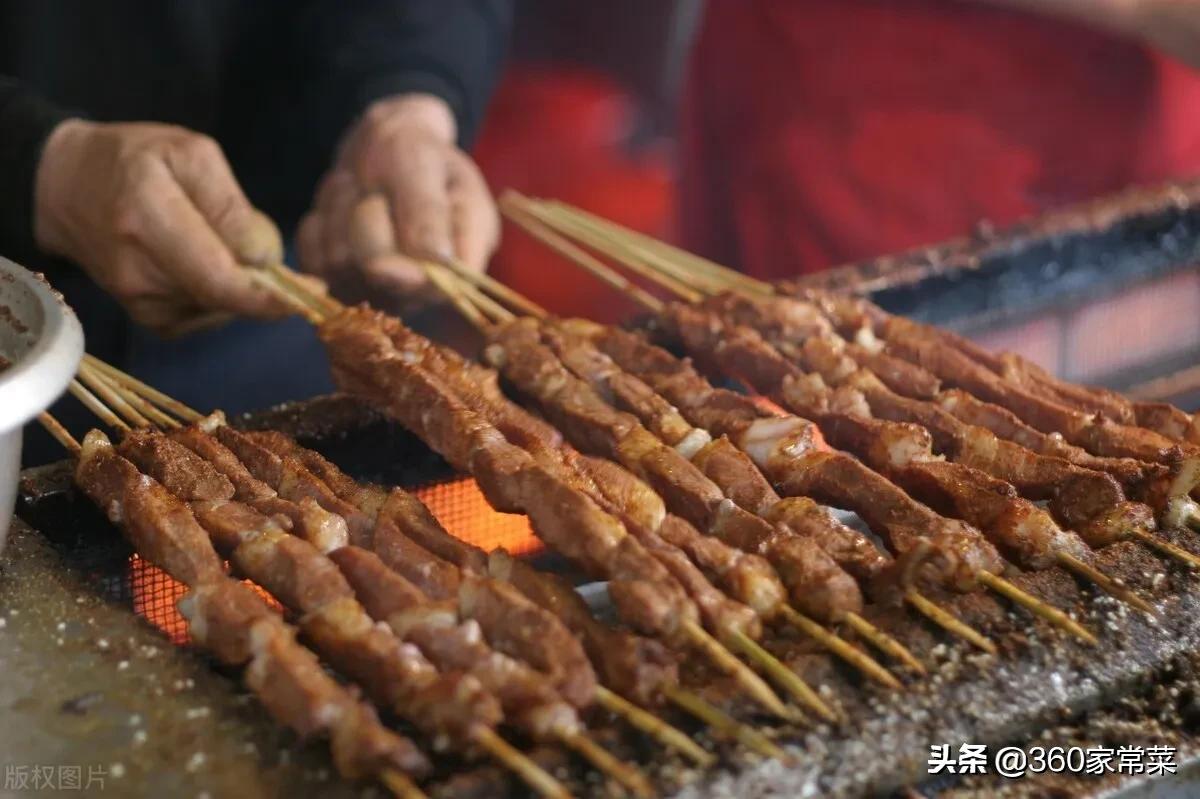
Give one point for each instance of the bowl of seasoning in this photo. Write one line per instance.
(41, 343)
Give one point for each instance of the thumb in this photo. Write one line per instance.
(257, 241)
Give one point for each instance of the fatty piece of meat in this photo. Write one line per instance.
(515, 626)
(292, 569)
(160, 527)
(222, 617)
(736, 475)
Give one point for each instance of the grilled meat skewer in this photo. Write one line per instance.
(447, 707)
(900, 449)
(603, 644)
(785, 448)
(292, 568)
(945, 355)
(644, 592)
(1088, 501)
(233, 622)
(514, 626)
(639, 668)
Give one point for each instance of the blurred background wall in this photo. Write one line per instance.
(585, 113)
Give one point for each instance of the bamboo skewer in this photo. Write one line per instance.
(169, 404)
(712, 269)
(1166, 548)
(638, 265)
(884, 642)
(266, 281)
(322, 303)
(638, 718)
(732, 280)
(60, 433)
(516, 761)
(399, 784)
(630, 248)
(1036, 606)
(653, 726)
(604, 762)
(947, 621)
(514, 206)
(501, 291)
(839, 647)
(783, 676)
(749, 737)
(519, 763)
(114, 400)
(613, 248)
(829, 639)
(93, 404)
(1106, 582)
(580, 257)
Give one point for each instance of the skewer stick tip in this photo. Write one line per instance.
(789, 680)
(60, 433)
(653, 726)
(400, 785)
(1106, 582)
(628, 776)
(519, 763)
(1037, 607)
(840, 647)
(725, 724)
(750, 682)
(1166, 548)
(948, 621)
(885, 643)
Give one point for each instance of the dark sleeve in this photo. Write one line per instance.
(333, 58)
(369, 49)
(26, 119)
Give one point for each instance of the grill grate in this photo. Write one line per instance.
(462, 509)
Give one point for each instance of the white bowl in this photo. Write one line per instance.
(42, 342)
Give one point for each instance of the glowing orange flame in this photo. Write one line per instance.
(458, 504)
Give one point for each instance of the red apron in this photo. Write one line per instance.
(817, 132)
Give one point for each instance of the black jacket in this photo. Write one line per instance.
(276, 82)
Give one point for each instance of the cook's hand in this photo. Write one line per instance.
(400, 190)
(154, 215)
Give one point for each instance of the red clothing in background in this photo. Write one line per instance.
(817, 132)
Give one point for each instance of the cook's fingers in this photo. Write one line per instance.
(371, 232)
(309, 246)
(204, 320)
(415, 182)
(205, 176)
(335, 203)
(394, 274)
(476, 221)
(179, 238)
(313, 284)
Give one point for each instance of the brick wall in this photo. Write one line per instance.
(1096, 340)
